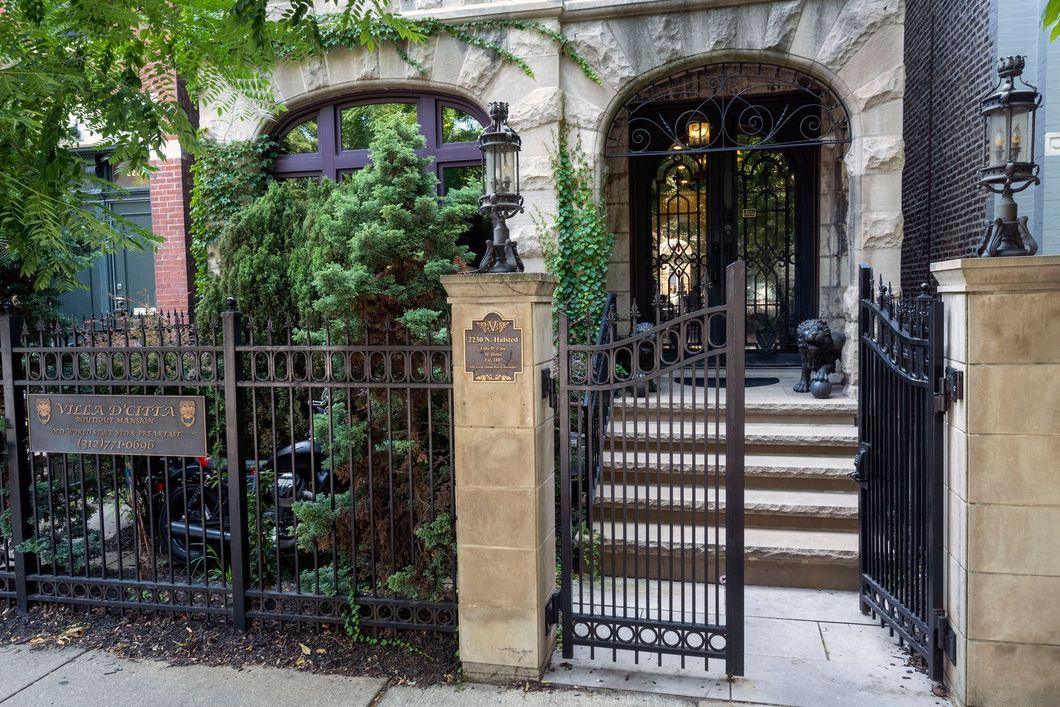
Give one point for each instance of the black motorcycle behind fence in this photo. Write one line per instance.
(342, 509)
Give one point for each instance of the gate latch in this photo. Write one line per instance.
(950, 388)
(860, 474)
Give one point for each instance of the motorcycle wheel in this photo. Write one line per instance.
(196, 506)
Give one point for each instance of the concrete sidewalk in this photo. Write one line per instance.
(804, 647)
(72, 677)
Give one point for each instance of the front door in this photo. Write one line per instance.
(697, 211)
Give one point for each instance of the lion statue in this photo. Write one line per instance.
(819, 349)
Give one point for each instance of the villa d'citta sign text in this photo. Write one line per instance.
(168, 425)
(493, 349)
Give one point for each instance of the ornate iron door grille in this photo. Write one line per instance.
(651, 489)
(766, 232)
(899, 466)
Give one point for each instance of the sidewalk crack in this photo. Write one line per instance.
(34, 682)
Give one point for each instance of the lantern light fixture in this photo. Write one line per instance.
(698, 133)
(1009, 113)
(500, 198)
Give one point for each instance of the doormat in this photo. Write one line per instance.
(749, 382)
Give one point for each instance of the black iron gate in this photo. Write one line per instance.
(651, 488)
(899, 465)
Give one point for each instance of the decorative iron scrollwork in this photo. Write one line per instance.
(722, 109)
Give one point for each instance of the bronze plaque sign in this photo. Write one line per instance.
(166, 425)
(493, 349)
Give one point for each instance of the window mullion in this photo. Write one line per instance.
(327, 140)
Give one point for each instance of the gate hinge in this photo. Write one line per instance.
(944, 635)
(950, 388)
(552, 611)
(548, 387)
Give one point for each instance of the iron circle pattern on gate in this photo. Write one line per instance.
(651, 489)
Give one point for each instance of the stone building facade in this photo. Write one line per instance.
(850, 51)
(887, 177)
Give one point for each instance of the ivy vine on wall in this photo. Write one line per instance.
(334, 33)
(227, 177)
(580, 252)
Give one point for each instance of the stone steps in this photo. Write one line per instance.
(774, 557)
(662, 482)
(759, 437)
(765, 471)
(694, 408)
(692, 506)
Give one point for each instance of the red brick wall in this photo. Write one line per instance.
(174, 266)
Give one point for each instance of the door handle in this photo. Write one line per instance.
(730, 245)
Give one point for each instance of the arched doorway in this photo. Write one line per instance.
(723, 163)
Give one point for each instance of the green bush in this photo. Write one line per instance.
(227, 177)
(254, 254)
(361, 253)
(375, 247)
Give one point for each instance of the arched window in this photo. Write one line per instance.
(331, 140)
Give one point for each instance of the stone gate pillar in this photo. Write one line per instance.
(1003, 479)
(504, 467)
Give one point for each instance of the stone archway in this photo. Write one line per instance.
(725, 161)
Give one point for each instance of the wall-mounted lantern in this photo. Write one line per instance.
(500, 198)
(1010, 127)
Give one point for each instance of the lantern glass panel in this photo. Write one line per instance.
(997, 137)
(506, 172)
(489, 171)
(1020, 137)
(500, 170)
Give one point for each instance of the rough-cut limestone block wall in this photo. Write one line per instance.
(853, 46)
(451, 68)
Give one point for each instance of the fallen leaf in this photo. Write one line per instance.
(305, 649)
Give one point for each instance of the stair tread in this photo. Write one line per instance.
(832, 503)
(690, 462)
(758, 541)
(830, 406)
(682, 430)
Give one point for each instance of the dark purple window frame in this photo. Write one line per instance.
(330, 160)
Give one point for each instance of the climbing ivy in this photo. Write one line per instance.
(335, 33)
(227, 177)
(581, 250)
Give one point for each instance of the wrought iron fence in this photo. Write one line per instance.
(7, 556)
(325, 492)
(899, 465)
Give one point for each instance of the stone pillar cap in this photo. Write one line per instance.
(1034, 273)
(498, 287)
